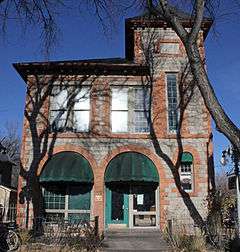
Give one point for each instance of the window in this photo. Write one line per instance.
(141, 110)
(70, 203)
(81, 110)
(130, 109)
(172, 102)
(186, 172)
(58, 112)
(70, 109)
(119, 110)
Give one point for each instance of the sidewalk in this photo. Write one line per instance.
(134, 240)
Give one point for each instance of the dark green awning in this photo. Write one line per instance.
(131, 167)
(67, 167)
(187, 157)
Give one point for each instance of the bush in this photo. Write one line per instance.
(65, 237)
(181, 241)
(25, 236)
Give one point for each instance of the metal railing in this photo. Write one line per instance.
(62, 232)
(11, 213)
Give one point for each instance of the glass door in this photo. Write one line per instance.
(116, 207)
(143, 212)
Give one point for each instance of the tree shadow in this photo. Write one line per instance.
(186, 90)
(42, 131)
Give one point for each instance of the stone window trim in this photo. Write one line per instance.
(170, 128)
(132, 110)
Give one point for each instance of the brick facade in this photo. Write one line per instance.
(99, 146)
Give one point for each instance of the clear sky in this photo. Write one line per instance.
(82, 37)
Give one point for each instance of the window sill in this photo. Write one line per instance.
(172, 132)
(130, 135)
(90, 134)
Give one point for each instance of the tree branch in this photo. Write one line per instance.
(198, 18)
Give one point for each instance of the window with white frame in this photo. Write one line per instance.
(67, 203)
(172, 101)
(81, 110)
(141, 110)
(186, 171)
(130, 109)
(70, 109)
(119, 110)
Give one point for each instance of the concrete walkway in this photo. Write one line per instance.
(134, 240)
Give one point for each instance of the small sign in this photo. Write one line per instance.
(140, 199)
(98, 197)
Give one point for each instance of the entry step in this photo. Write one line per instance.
(135, 240)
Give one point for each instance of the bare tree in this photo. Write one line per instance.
(10, 142)
(167, 10)
(43, 13)
(197, 65)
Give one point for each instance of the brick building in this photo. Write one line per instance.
(101, 136)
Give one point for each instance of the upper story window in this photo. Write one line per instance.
(141, 110)
(120, 110)
(81, 110)
(186, 171)
(172, 102)
(130, 109)
(70, 109)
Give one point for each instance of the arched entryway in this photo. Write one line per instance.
(131, 186)
(67, 181)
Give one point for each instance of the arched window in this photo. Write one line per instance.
(67, 202)
(67, 181)
(186, 171)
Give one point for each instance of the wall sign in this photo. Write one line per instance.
(98, 197)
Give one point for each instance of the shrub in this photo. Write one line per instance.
(66, 237)
(182, 241)
(25, 236)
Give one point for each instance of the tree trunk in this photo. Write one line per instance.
(223, 122)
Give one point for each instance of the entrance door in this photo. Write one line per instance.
(116, 208)
(144, 209)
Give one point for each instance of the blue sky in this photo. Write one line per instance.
(82, 37)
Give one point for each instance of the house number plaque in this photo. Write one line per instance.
(98, 197)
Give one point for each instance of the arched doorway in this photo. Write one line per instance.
(67, 181)
(131, 186)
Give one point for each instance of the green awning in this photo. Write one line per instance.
(131, 167)
(187, 157)
(67, 167)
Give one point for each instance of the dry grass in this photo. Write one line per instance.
(48, 248)
(182, 241)
(61, 238)
(25, 236)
